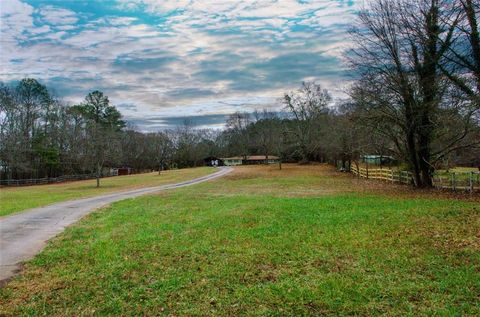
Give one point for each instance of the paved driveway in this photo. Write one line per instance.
(24, 234)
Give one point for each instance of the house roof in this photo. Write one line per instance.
(377, 156)
(252, 157)
(261, 157)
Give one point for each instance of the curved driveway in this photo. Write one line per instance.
(24, 234)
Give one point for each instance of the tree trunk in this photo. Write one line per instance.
(424, 158)
(98, 175)
(427, 72)
(412, 153)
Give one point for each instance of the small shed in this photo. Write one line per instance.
(378, 159)
(124, 171)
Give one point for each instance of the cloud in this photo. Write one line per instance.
(15, 19)
(57, 16)
(177, 58)
(165, 122)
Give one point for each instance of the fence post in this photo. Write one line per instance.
(453, 181)
(392, 176)
(471, 181)
(367, 169)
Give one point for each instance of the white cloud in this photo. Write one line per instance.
(15, 18)
(57, 16)
(121, 20)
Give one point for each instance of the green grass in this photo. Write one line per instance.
(282, 243)
(14, 199)
(460, 169)
(462, 176)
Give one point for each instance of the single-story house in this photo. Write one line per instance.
(250, 160)
(261, 159)
(232, 161)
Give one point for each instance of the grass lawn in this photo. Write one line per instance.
(462, 176)
(460, 169)
(303, 241)
(14, 199)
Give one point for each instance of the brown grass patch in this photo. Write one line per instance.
(319, 180)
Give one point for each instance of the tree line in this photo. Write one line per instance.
(415, 96)
(40, 136)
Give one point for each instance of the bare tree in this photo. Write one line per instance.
(307, 105)
(163, 149)
(237, 124)
(461, 64)
(265, 132)
(401, 91)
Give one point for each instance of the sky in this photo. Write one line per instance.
(161, 61)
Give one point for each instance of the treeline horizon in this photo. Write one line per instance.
(416, 98)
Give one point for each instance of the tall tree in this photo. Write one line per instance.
(103, 123)
(237, 124)
(163, 148)
(307, 105)
(265, 132)
(401, 90)
(25, 112)
(462, 61)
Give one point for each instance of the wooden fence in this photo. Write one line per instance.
(384, 174)
(467, 181)
(50, 180)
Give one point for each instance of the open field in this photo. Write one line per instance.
(301, 241)
(14, 199)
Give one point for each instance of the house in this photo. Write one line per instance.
(232, 161)
(260, 159)
(250, 160)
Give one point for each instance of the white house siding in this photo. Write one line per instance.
(232, 162)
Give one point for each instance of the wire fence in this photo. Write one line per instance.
(453, 180)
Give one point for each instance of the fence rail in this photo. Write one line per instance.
(384, 174)
(50, 180)
(468, 181)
